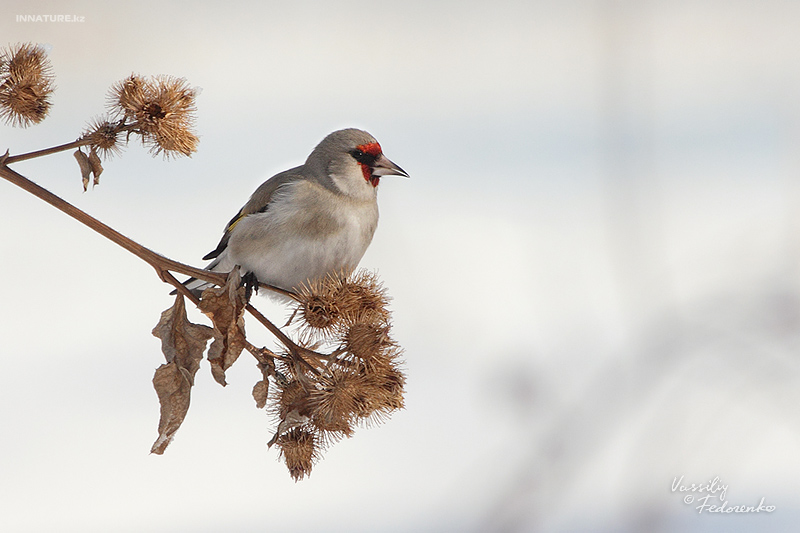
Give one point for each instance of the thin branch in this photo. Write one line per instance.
(83, 141)
(284, 292)
(157, 261)
(296, 351)
(162, 265)
(258, 353)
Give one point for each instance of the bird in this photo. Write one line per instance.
(310, 221)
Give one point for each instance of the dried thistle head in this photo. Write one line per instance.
(127, 97)
(26, 83)
(362, 298)
(161, 109)
(367, 341)
(381, 392)
(299, 450)
(327, 395)
(317, 307)
(292, 396)
(318, 312)
(172, 113)
(333, 403)
(327, 305)
(104, 136)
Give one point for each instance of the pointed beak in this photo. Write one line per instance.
(384, 167)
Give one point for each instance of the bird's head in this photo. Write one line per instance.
(353, 160)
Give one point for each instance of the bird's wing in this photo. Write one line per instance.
(258, 203)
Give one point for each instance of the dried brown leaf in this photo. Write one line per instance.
(183, 344)
(181, 340)
(292, 420)
(173, 386)
(260, 392)
(97, 168)
(225, 307)
(86, 167)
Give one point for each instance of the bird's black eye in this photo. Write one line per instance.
(363, 157)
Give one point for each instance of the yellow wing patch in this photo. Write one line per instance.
(235, 221)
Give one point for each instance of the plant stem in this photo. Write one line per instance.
(163, 265)
(47, 151)
(296, 351)
(157, 261)
(169, 278)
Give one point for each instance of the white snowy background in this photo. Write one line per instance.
(595, 265)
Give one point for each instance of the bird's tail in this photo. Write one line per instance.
(197, 286)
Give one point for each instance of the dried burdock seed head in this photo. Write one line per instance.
(326, 395)
(160, 109)
(26, 83)
(317, 307)
(292, 397)
(299, 451)
(333, 403)
(127, 97)
(104, 136)
(381, 393)
(362, 298)
(338, 300)
(318, 312)
(366, 341)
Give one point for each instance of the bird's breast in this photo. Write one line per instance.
(306, 232)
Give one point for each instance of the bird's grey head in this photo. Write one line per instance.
(352, 161)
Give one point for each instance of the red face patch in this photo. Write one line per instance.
(373, 149)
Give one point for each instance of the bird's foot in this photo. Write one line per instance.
(250, 284)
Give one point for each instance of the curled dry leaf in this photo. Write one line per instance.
(97, 168)
(90, 165)
(225, 307)
(86, 167)
(292, 420)
(173, 386)
(183, 344)
(261, 389)
(260, 392)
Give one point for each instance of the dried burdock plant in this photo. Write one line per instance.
(104, 136)
(358, 382)
(26, 83)
(161, 109)
(299, 450)
(341, 370)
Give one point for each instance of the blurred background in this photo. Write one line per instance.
(595, 266)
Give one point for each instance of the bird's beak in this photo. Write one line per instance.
(384, 167)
